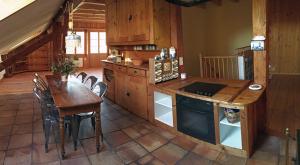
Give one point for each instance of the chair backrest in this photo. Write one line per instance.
(38, 84)
(42, 100)
(81, 76)
(100, 88)
(41, 81)
(90, 82)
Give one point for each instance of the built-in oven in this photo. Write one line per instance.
(195, 118)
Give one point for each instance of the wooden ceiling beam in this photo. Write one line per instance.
(88, 14)
(92, 11)
(78, 17)
(89, 20)
(94, 1)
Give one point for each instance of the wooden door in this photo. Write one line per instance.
(111, 21)
(124, 17)
(137, 95)
(120, 89)
(141, 21)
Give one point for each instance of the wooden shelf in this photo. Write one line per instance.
(163, 110)
(224, 121)
(166, 118)
(165, 102)
(233, 137)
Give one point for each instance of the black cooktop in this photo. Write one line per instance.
(201, 88)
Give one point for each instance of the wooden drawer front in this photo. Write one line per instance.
(119, 68)
(108, 65)
(136, 72)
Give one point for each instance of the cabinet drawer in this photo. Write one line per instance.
(108, 65)
(119, 68)
(136, 72)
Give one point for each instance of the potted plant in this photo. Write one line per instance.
(64, 68)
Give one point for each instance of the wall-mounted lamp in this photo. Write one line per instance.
(258, 43)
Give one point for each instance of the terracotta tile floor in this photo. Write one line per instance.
(128, 139)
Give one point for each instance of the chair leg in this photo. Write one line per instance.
(101, 133)
(70, 129)
(93, 123)
(75, 129)
(47, 134)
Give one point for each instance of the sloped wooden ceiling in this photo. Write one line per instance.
(27, 23)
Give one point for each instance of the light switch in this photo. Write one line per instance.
(180, 61)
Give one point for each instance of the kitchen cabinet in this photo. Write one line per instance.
(111, 20)
(137, 95)
(127, 87)
(138, 22)
(121, 85)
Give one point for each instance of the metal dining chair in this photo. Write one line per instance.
(45, 90)
(81, 76)
(41, 81)
(50, 115)
(90, 82)
(99, 89)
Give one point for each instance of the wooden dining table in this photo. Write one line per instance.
(72, 97)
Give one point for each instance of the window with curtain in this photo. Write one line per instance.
(98, 42)
(79, 50)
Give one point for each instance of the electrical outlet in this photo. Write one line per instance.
(180, 61)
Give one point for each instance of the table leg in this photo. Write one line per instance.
(98, 130)
(62, 137)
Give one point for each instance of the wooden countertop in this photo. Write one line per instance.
(144, 66)
(236, 92)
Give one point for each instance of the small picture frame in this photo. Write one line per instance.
(258, 43)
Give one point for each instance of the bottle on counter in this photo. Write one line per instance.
(164, 53)
(172, 52)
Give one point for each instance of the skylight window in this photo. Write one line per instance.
(8, 7)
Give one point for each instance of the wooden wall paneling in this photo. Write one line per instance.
(284, 34)
(88, 25)
(176, 31)
(39, 59)
(259, 18)
(24, 50)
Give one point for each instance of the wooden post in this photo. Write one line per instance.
(201, 64)
(259, 18)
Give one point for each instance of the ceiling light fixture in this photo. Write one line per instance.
(72, 39)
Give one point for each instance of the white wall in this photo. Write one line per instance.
(215, 30)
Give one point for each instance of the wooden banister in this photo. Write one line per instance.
(225, 67)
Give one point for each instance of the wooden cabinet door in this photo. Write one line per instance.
(109, 79)
(123, 19)
(121, 89)
(111, 21)
(137, 96)
(141, 20)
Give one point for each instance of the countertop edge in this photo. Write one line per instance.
(243, 98)
(143, 67)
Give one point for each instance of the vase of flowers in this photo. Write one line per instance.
(63, 68)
